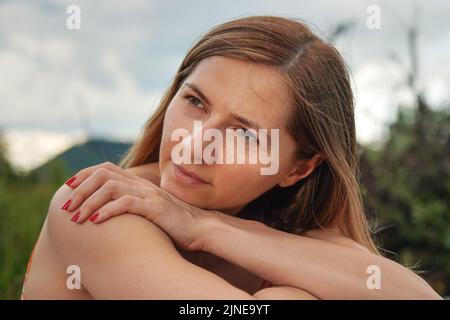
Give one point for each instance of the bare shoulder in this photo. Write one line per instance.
(130, 253)
(87, 239)
(334, 236)
(148, 171)
(126, 252)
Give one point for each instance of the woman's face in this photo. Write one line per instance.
(240, 95)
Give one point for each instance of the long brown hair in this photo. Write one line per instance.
(321, 122)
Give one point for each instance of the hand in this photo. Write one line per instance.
(106, 190)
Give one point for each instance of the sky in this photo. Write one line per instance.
(60, 86)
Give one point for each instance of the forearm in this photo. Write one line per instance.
(327, 270)
(145, 266)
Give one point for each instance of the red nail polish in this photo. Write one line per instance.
(76, 216)
(68, 182)
(93, 217)
(66, 205)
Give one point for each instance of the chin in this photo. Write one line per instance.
(184, 193)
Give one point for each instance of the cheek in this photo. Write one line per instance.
(172, 120)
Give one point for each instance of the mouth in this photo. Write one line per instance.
(187, 177)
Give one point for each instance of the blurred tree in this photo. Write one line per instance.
(407, 180)
(6, 172)
(24, 203)
(407, 183)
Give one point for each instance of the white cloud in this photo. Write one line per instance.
(376, 88)
(114, 69)
(27, 149)
(53, 50)
(41, 91)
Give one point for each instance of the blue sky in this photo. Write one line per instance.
(58, 85)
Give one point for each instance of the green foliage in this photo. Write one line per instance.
(24, 204)
(407, 184)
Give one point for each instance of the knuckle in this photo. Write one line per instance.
(108, 164)
(84, 171)
(77, 196)
(101, 172)
(112, 186)
(127, 200)
(85, 208)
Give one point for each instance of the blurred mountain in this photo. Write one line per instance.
(83, 155)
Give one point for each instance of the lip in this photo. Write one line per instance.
(187, 176)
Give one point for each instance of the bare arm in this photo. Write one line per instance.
(130, 258)
(329, 268)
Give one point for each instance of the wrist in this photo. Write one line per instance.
(212, 224)
(221, 230)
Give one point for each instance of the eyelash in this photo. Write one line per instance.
(188, 98)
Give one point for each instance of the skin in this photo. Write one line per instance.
(232, 87)
(229, 85)
(147, 265)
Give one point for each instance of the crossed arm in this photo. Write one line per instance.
(129, 257)
(326, 264)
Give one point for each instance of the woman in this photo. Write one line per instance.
(300, 233)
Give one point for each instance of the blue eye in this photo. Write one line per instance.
(193, 101)
(247, 133)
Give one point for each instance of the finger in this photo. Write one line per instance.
(111, 190)
(82, 175)
(89, 186)
(147, 208)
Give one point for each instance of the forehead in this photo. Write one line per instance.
(250, 90)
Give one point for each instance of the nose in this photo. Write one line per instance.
(204, 149)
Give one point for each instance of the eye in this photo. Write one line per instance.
(194, 101)
(247, 133)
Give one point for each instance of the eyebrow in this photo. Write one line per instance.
(198, 91)
(236, 117)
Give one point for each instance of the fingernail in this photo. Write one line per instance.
(93, 217)
(76, 216)
(68, 182)
(66, 205)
